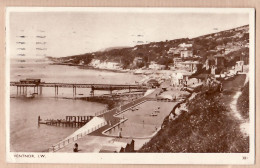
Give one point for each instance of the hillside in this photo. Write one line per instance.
(207, 127)
(233, 43)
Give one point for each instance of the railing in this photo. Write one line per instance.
(67, 141)
(101, 112)
(127, 108)
(117, 124)
(123, 106)
(80, 85)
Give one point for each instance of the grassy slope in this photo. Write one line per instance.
(243, 102)
(207, 127)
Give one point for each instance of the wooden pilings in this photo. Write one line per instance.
(70, 121)
(36, 89)
(92, 92)
(21, 90)
(56, 90)
(74, 91)
(110, 90)
(40, 90)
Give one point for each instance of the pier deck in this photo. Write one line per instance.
(22, 87)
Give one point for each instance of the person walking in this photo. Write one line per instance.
(75, 149)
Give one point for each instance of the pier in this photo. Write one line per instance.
(22, 86)
(70, 121)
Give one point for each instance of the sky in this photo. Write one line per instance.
(71, 33)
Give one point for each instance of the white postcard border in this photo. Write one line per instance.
(136, 158)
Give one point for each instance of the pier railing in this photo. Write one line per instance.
(101, 112)
(123, 106)
(67, 141)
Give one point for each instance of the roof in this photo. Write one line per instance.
(190, 62)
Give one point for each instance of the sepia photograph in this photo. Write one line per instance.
(130, 85)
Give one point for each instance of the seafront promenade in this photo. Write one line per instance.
(139, 119)
(94, 140)
(113, 120)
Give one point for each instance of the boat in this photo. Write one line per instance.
(156, 111)
(29, 95)
(153, 114)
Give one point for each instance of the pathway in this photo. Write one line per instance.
(109, 116)
(231, 91)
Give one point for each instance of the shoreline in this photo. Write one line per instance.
(92, 68)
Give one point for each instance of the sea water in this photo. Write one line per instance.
(25, 133)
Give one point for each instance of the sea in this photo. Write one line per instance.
(25, 133)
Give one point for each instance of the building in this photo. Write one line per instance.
(81, 62)
(219, 61)
(228, 50)
(30, 81)
(209, 62)
(216, 61)
(239, 66)
(184, 45)
(245, 58)
(95, 62)
(171, 50)
(156, 66)
(191, 66)
(185, 53)
(174, 51)
(137, 61)
(179, 77)
(177, 60)
(220, 47)
(215, 64)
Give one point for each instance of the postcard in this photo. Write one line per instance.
(130, 85)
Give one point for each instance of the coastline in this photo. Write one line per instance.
(92, 68)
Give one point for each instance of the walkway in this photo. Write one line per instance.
(109, 116)
(231, 92)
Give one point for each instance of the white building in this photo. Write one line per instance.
(239, 66)
(185, 53)
(156, 66)
(174, 51)
(104, 65)
(178, 77)
(184, 45)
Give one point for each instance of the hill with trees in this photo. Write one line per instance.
(233, 43)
